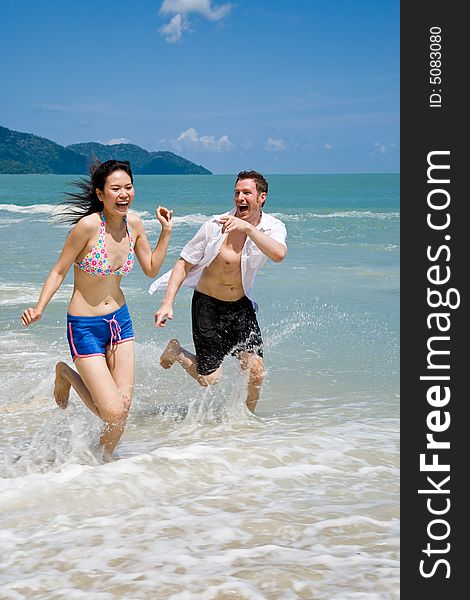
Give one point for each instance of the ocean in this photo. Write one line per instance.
(203, 500)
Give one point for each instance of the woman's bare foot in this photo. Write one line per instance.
(61, 385)
(170, 354)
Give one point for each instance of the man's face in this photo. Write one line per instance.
(248, 202)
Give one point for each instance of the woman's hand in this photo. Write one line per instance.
(165, 216)
(30, 315)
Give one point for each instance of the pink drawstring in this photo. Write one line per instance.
(115, 331)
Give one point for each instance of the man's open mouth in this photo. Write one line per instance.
(243, 208)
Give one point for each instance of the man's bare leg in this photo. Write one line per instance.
(174, 352)
(255, 364)
(65, 378)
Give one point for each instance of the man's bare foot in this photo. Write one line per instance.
(61, 385)
(170, 354)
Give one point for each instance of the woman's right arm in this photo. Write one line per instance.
(74, 244)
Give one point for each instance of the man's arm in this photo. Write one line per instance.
(178, 275)
(273, 249)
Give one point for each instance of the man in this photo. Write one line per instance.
(220, 263)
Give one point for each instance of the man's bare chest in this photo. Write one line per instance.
(230, 252)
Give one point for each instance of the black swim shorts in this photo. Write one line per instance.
(221, 328)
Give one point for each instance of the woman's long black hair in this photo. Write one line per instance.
(86, 202)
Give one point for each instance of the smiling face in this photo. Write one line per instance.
(118, 193)
(248, 202)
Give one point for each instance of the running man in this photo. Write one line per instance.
(220, 263)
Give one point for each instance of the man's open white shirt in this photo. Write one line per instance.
(203, 248)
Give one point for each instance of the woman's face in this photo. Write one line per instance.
(118, 193)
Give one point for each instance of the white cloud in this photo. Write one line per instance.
(217, 145)
(275, 145)
(174, 29)
(113, 141)
(328, 147)
(181, 9)
(202, 7)
(380, 148)
(190, 135)
(190, 139)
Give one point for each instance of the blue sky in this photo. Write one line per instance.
(298, 86)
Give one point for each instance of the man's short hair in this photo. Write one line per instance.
(261, 183)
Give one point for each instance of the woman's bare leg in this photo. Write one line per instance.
(121, 364)
(112, 407)
(65, 378)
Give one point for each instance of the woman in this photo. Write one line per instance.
(102, 245)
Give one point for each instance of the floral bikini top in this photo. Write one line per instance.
(96, 261)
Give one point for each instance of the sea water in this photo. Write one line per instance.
(204, 500)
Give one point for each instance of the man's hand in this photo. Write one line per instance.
(163, 313)
(232, 223)
(30, 315)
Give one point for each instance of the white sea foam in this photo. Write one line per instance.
(251, 507)
(52, 209)
(191, 219)
(6, 221)
(141, 213)
(256, 510)
(348, 214)
(30, 208)
(201, 218)
(12, 294)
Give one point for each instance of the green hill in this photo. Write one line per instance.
(134, 154)
(27, 153)
(142, 161)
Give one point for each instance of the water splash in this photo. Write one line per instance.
(67, 437)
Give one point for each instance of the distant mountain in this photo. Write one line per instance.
(167, 162)
(142, 161)
(134, 154)
(27, 153)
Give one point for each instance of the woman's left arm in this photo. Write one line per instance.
(151, 261)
